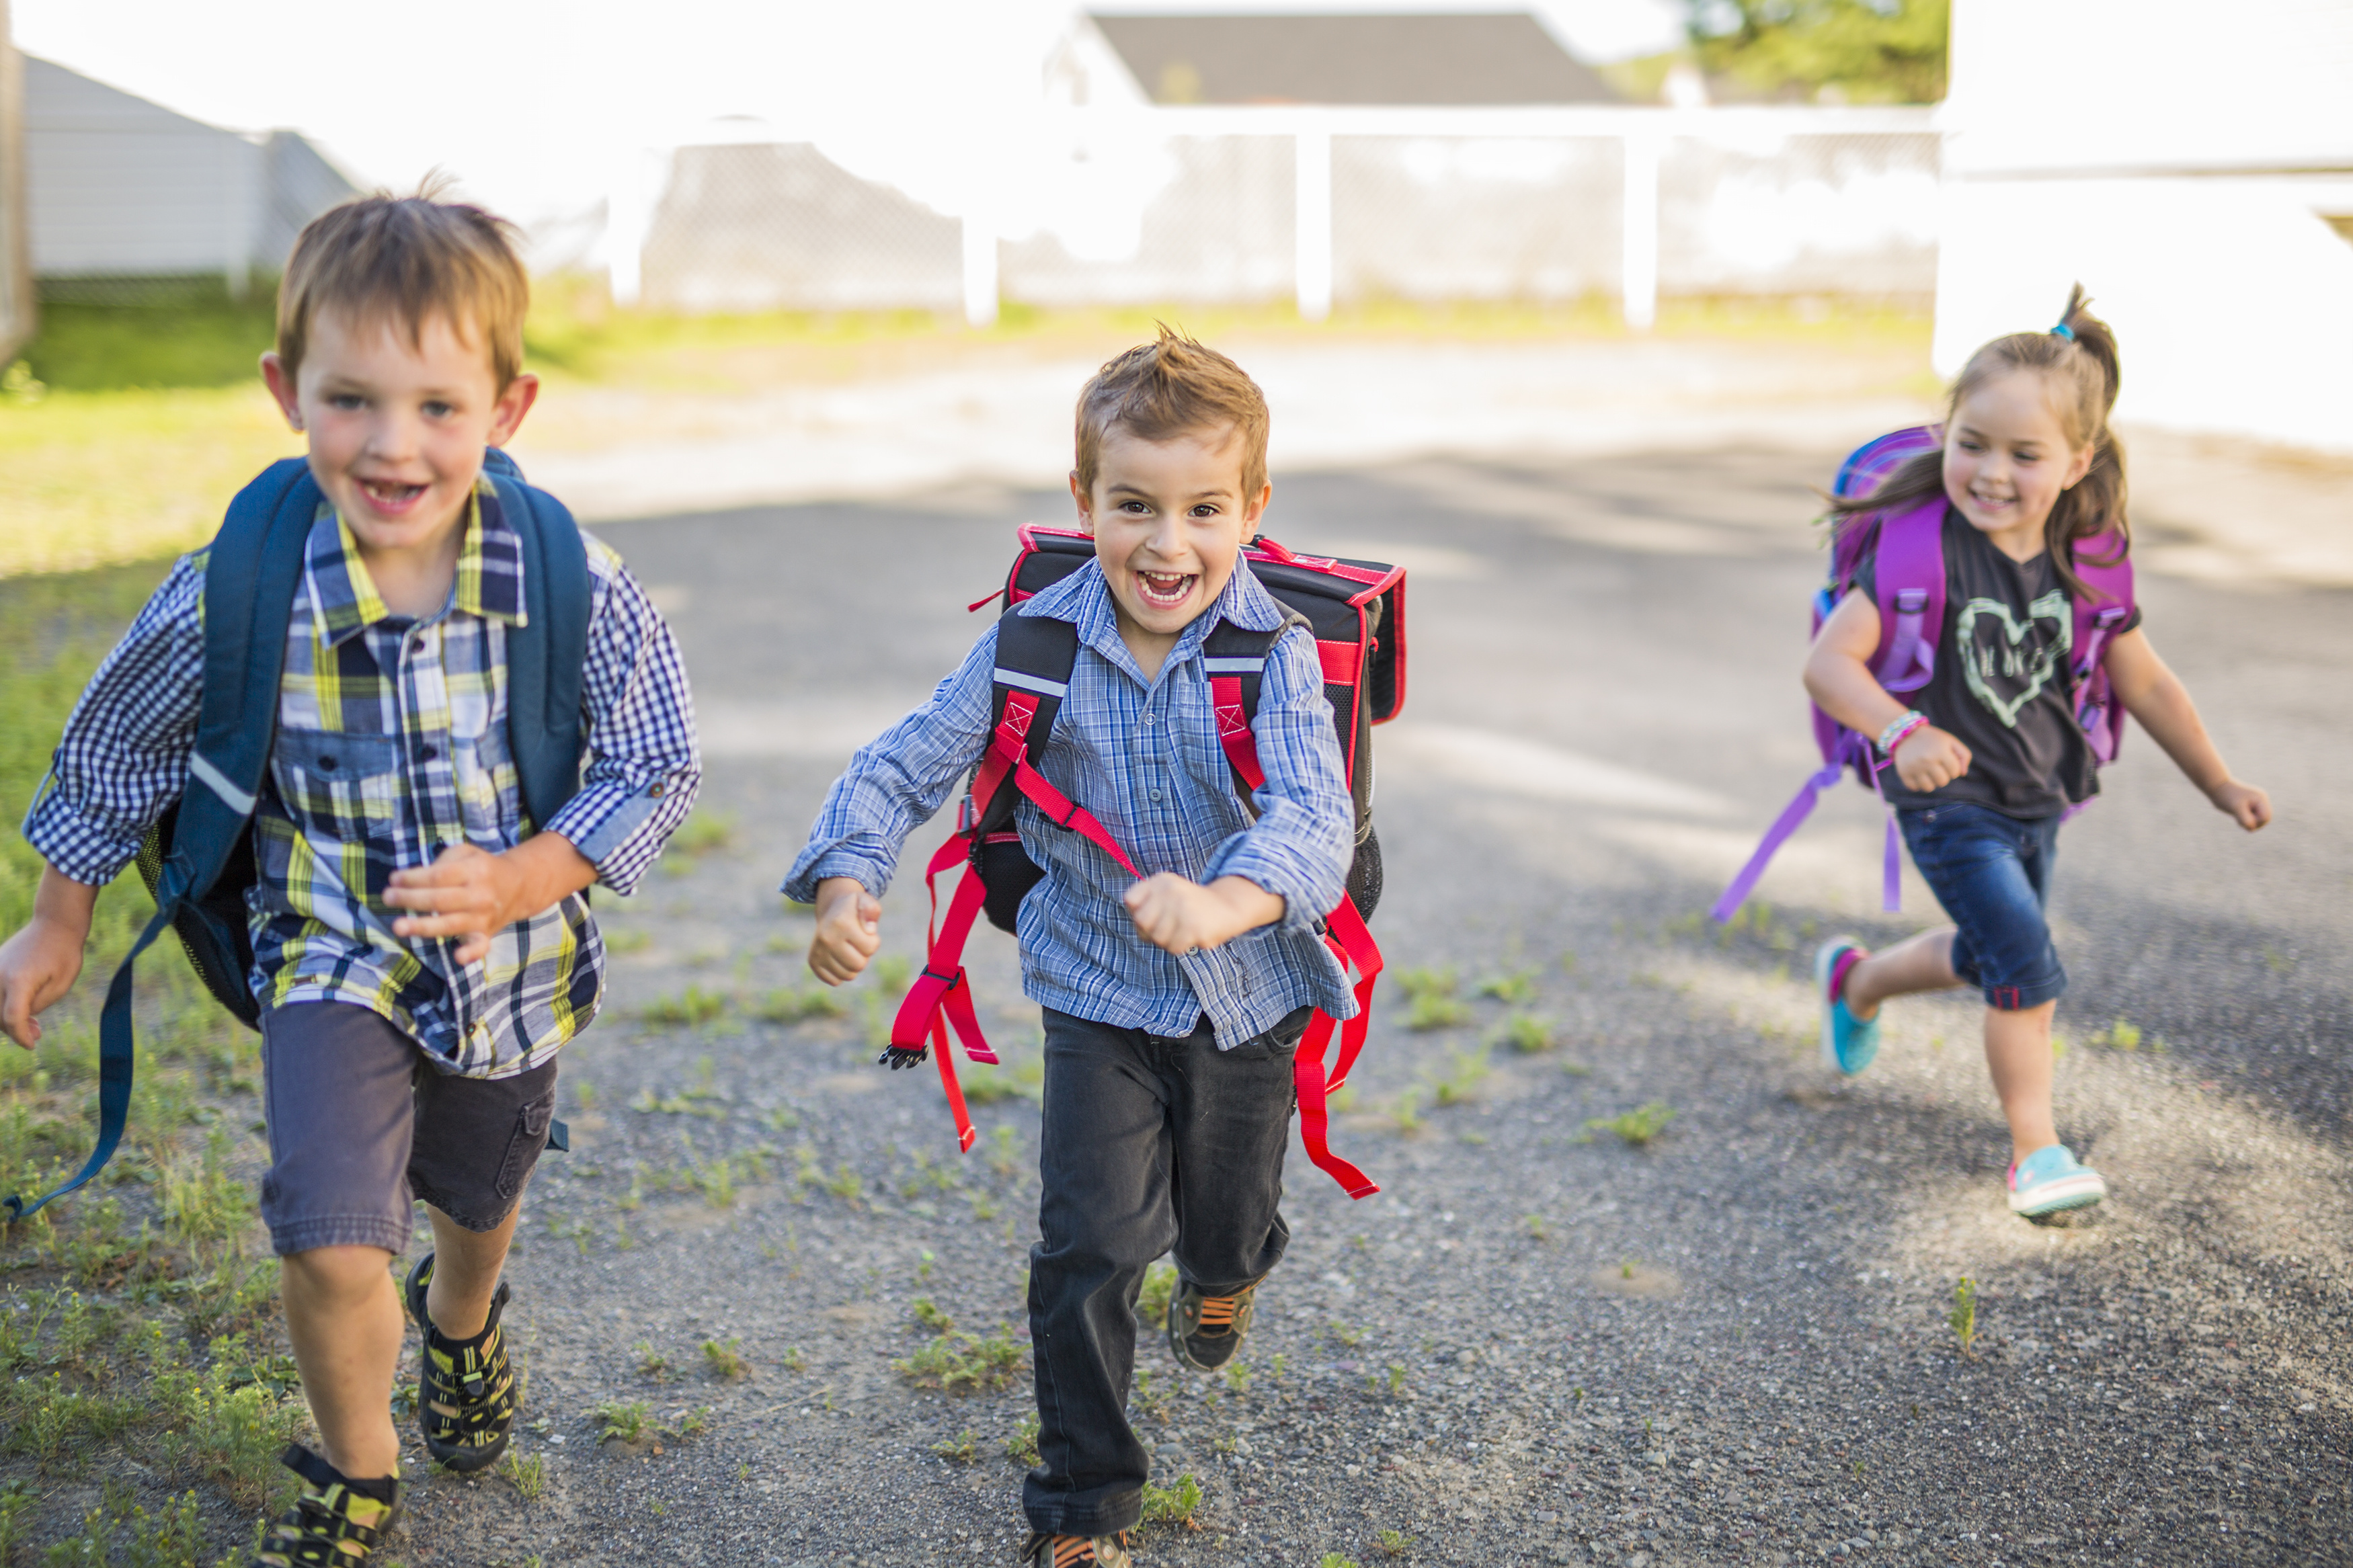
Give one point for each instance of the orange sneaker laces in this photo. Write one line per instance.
(1074, 1549)
(1218, 1313)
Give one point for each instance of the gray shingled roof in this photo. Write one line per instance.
(1459, 57)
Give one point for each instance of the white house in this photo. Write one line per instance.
(2184, 161)
(120, 189)
(15, 256)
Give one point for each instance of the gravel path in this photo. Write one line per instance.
(1539, 1344)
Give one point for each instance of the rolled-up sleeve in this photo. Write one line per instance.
(1301, 844)
(897, 781)
(644, 766)
(123, 758)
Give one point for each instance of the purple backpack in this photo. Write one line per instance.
(1909, 586)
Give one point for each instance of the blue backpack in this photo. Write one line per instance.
(197, 860)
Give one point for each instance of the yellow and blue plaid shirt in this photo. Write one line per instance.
(392, 746)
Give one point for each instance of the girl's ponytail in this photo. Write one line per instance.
(2078, 356)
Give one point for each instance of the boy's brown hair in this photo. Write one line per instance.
(1168, 388)
(411, 259)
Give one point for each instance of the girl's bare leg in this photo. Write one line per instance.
(1923, 963)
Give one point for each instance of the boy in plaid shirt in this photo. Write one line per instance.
(422, 949)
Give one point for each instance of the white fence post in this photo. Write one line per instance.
(979, 272)
(1312, 202)
(1638, 268)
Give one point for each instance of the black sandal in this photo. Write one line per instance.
(336, 1521)
(466, 1396)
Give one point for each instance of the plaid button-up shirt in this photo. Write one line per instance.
(1142, 756)
(392, 746)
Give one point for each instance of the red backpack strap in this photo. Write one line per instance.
(1909, 585)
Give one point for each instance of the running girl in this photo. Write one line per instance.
(1994, 758)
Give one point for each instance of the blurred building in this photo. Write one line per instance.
(15, 256)
(2192, 164)
(1388, 58)
(124, 196)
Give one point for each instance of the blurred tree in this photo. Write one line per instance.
(1859, 51)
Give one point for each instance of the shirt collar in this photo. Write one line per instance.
(488, 579)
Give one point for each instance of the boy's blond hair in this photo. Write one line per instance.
(1168, 388)
(410, 259)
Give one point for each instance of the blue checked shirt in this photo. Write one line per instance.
(1142, 756)
(392, 744)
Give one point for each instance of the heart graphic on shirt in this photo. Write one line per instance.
(2032, 666)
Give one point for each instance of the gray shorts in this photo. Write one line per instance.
(361, 1126)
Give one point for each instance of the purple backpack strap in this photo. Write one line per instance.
(2107, 572)
(1910, 583)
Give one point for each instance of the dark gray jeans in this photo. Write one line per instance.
(1149, 1144)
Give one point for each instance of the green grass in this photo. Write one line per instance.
(1639, 1126)
(957, 1362)
(1172, 1505)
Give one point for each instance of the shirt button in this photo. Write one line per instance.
(429, 753)
(1155, 796)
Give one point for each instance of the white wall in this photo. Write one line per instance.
(2177, 157)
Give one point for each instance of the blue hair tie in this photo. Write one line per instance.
(2063, 331)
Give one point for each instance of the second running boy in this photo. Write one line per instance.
(1172, 1004)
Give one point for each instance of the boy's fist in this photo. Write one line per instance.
(2243, 804)
(39, 964)
(471, 894)
(1180, 916)
(1931, 759)
(849, 931)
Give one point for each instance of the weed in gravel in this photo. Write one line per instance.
(1022, 1446)
(1004, 1155)
(233, 1433)
(846, 1185)
(957, 1362)
(1150, 1397)
(691, 1009)
(725, 1360)
(622, 1421)
(1425, 982)
(202, 1201)
(1397, 1379)
(527, 1475)
(1527, 1033)
(926, 1312)
(1405, 1113)
(1468, 1069)
(652, 1362)
(700, 833)
(794, 1359)
(961, 1449)
(1537, 1229)
(1393, 1542)
(1152, 1300)
(1430, 1011)
(1577, 1069)
(1238, 1376)
(1173, 1505)
(695, 1422)
(1964, 1315)
(1024, 1080)
(1515, 987)
(1348, 1334)
(1334, 1560)
(1639, 1126)
(625, 940)
(788, 1004)
(2122, 1036)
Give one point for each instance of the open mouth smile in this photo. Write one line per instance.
(390, 496)
(1165, 590)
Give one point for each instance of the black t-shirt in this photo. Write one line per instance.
(2002, 681)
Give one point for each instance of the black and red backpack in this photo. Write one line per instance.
(1356, 609)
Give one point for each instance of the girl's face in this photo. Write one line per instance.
(2008, 461)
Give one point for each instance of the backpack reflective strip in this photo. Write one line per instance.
(1038, 683)
(1234, 666)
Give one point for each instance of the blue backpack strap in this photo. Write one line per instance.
(546, 655)
(249, 581)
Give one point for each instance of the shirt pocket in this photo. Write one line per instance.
(490, 796)
(340, 784)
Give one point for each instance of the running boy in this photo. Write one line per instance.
(1172, 1004)
(1991, 762)
(421, 948)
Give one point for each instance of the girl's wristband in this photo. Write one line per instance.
(1900, 729)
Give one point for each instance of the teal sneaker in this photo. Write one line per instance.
(2050, 1182)
(1849, 1042)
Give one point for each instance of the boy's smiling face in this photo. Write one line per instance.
(398, 426)
(1170, 518)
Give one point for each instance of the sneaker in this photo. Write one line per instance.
(1848, 1042)
(2050, 1182)
(1076, 1550)
(336, 1521)
(466, 1397)
(1204, 1331)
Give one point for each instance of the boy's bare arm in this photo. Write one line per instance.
(2153, 694)
(39, 964)
(472, 894)
(1180, 916)
(1839, 679)
(849, 931)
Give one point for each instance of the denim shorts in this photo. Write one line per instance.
(1992, 873)
(361, 1126)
